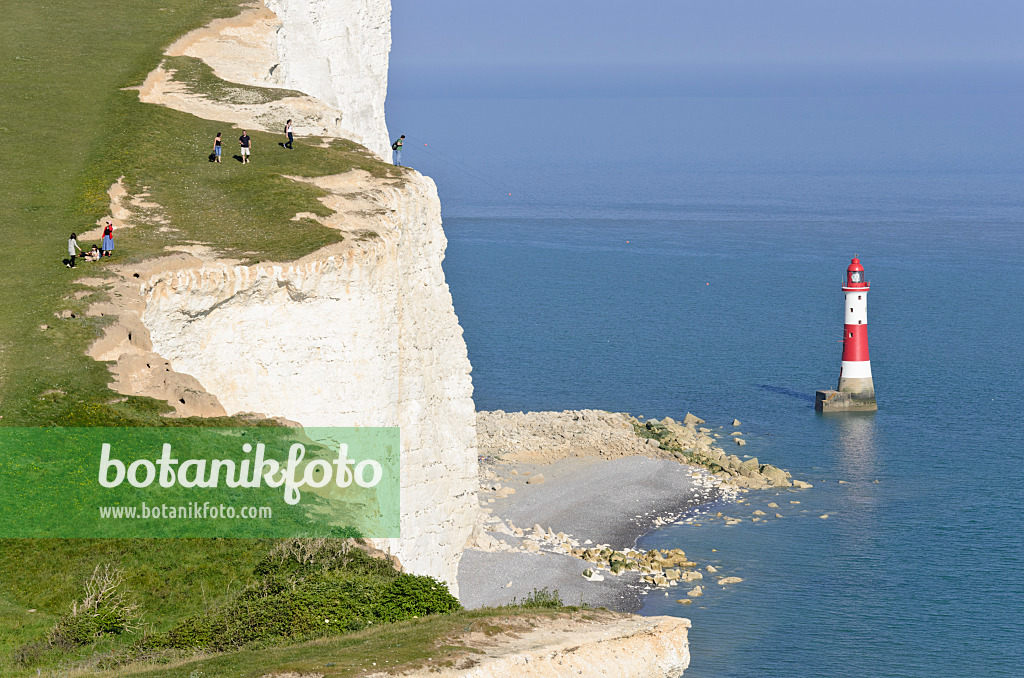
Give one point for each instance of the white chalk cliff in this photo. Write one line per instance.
(334, 51)
(337, 51)
(362, 333)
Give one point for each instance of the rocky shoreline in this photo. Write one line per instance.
(689, 443)
(566, 495)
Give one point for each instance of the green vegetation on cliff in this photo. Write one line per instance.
(172, 599)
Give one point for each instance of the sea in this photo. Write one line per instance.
(660, 255)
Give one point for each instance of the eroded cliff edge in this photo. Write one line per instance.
(360, 334)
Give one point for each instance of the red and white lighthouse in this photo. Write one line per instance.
(856, 391)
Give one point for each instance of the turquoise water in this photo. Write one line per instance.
(725, 301)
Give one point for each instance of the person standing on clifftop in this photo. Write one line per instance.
(288, 132)
(108, 240)
(396, 151)
(216, 148)
(246, 144)
(72, 246)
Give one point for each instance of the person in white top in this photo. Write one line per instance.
(72, 246)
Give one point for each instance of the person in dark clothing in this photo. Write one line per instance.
(246, 143)
(288, 131)
(216, 148)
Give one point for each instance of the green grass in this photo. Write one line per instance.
(431, 642)
(174, 578)
(200, 79)
(178, 580)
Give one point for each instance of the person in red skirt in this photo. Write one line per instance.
(108, 240)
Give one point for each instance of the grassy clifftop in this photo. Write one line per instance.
(70, 129)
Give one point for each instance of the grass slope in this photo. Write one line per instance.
(432, 643)
(70, 129)
(174, 578)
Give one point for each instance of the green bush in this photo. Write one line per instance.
(409, 596)
(107, 608)
(309, 588)
(541, 598)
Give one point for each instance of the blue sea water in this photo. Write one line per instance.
(666, 255)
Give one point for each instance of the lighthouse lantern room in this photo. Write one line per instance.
(855, 391)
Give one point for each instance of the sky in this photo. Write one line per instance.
(477, 45)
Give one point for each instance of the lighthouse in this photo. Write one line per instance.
(855, 391)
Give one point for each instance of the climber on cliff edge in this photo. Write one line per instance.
(396, 151)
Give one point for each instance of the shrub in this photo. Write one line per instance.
(542, 598)
(300, 557)
(410, 596)
(106, 608)
(309, 588)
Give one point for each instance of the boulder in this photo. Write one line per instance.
(735, 422)
(691, 420)
(775, 476)
(695, 592)
(750, 468)
(801, 485)
(535, 479)
(481, 540)
(741, 442)
(740, 481)
(729, 580)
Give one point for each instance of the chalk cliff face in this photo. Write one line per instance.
(337, 51)
(356, 335)
(362, 333)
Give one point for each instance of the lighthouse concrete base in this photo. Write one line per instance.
(839, 401)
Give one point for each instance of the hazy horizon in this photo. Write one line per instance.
(459, 48)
